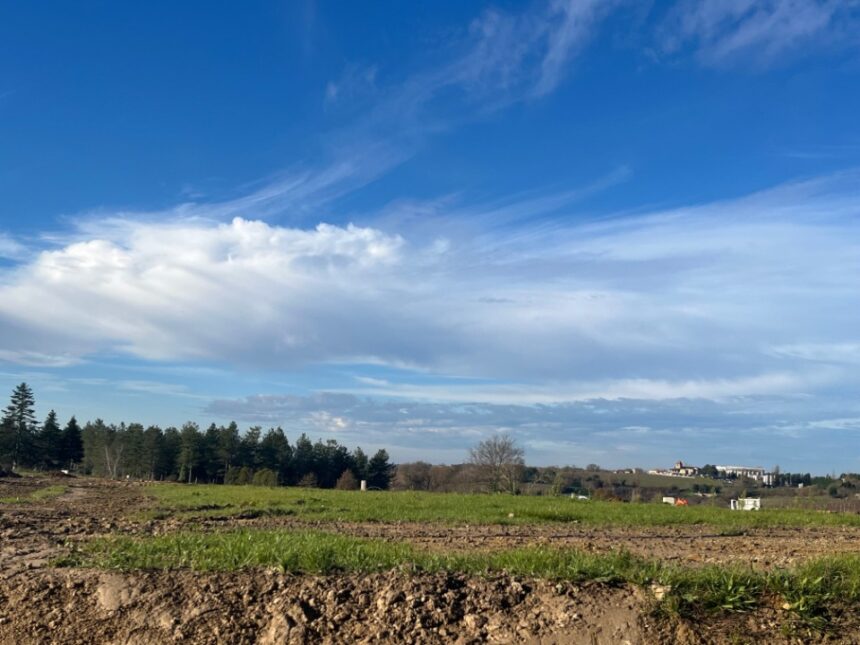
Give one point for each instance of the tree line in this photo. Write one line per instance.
(218, 454)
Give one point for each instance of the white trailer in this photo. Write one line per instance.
(746, 504)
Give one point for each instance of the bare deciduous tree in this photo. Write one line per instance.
(499, 460)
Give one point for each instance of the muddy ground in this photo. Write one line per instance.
(40, 603)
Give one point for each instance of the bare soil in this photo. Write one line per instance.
(40, 603)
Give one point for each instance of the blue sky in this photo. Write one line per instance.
(623, 232)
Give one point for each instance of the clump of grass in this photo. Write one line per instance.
(713, 589)
(40, 495)
(815, 591)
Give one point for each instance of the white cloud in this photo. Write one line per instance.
(195, 290)
(837, 424)
(355, 81)
(576, 26)
(37, 359)
(606, 390)
(579, 432)
(11, 249)
(503, 58)
(687, 303)
(848, 353)
(763, 32)
(526, 55)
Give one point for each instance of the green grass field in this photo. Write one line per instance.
(48, 492)
(815, 592)
(449, 508)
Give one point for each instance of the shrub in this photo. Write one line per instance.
(346, 481)
(265, 477)
(309, 481)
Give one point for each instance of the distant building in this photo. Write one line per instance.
(680, 469)
(756, 473)
(685, 470)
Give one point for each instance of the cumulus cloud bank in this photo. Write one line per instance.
(726, 299)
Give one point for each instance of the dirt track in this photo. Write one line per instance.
(39, 603)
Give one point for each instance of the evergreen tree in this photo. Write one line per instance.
(189, 452)
(330, 460)
(275, 453)
(93, 438)
(171, 449)
(153, 442)
(19, 423)
(228, 447)
(359, 463)
(7, 441)
(73, 445)
(210, 465)
(136, 457)
(50, 443)
(303, 459)
(379, 471)
(249, 447)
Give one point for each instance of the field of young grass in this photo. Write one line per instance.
(451, 508)
(48, 492)
(815, 592)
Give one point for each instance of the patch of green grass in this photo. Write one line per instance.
(814, 593)
(817, 589)
(714, 589)
(42, 494)
(320, 552)
(452, 508)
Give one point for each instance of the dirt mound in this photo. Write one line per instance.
(83, 607)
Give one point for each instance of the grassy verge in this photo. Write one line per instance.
(814, 592)
(334, 505)
(42, 494)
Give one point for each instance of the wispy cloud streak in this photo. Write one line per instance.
(764, 32)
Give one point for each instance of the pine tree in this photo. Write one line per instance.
(19, 423)
(153, 442)
(189, 452)
(359, 463)
(379, 471)
(50, 443)
(228, 447)
(303, 459)
(73, 444)
(275, 453)
(7, 441)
